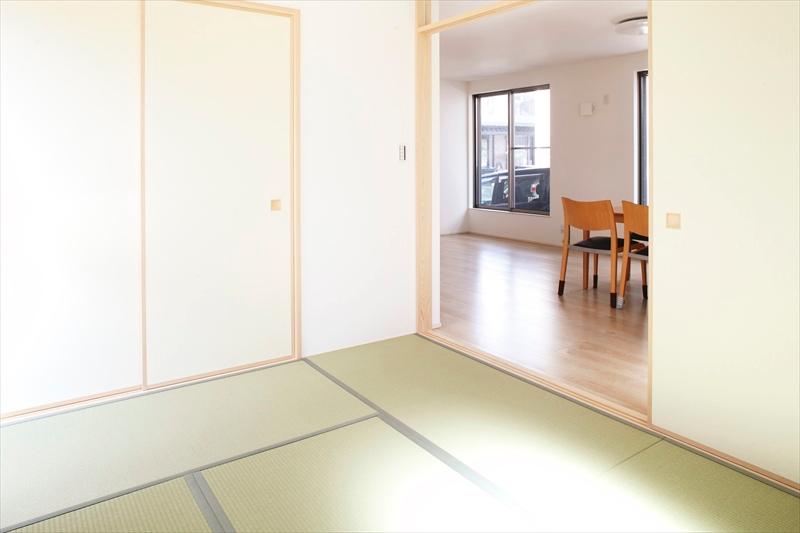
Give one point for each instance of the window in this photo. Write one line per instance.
(642, 145)
(512, 150)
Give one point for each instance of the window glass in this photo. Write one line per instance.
(493, 129)
(643, 145)
(527, 186)
(532, 150)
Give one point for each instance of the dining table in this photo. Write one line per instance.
(618, 216)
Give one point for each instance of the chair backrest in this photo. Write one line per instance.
(636, 218)
(589, 216)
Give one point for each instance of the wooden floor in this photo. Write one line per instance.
(500, 296)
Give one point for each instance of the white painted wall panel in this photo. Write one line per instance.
(218, 260)
(69, 192)
(455, 110)
(725, 289)
(357, 215)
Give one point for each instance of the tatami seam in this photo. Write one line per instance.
(213, 503)
(159, 481)
(634, 455)
(420, 440)
(202, 503)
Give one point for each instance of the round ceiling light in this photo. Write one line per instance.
(632, 25)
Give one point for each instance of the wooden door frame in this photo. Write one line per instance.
(144, 387)
(425, 30)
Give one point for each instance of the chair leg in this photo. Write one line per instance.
(613, 293)
(585, 271)
(564, 257)
(623, 283)
(614, 259)
(586, 235)
(644, 279)
(594, 279)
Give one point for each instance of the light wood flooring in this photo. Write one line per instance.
(500, 296)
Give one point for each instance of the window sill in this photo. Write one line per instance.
(483, 209)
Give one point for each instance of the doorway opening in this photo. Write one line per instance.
(536, 102)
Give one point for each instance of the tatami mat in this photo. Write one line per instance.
(703, 495)
(570, 468)
(529, 442)
(57, 462)
(365, 477)
(168, 507)
(463, 437)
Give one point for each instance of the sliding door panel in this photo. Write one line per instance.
(70, 240)
(217, 153)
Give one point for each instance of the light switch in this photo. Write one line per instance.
(275, 205)
(674, 220)
(586, 109)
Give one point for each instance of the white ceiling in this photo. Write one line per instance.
(547, 32)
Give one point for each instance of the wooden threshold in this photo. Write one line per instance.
(223, 372)
(561, 388)
(64, 405)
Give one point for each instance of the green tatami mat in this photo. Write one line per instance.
(701, 495)
(168, 507)
(528, 441)
(365, 477)
(54, 463)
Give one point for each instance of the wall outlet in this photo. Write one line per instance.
(275, 205)
(674, 220)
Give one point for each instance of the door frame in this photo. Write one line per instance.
(425, 30)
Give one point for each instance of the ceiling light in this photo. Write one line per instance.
(632, 25)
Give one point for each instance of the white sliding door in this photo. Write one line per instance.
(217, 151)
(70, 291)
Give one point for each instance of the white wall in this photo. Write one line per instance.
(70, 235)
(71, 216)
(454, 159)
(591, 157)
(357, 197)
(725, 304)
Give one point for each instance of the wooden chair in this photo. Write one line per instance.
(588, 217)
(636, 229)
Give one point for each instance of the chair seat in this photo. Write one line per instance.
(637, 237)
(599, 243)
(641, 251)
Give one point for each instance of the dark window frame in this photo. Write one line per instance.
(510, 147)
(641, 137)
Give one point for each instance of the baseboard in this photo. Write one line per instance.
(511, 239)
